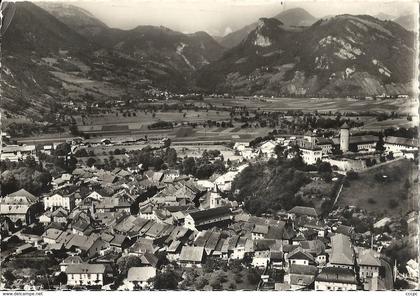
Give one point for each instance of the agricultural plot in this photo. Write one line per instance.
(319, 104)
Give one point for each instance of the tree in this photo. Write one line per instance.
(62, 149)
(253, 277)
(324, 167)
(166, 281)
(170, 157)
(61, 278)
(200, 283)
(380, 148)
(189, 166)
(126, 262)
(90, 162)
(279, 151)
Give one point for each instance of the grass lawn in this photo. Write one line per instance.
(375, 196)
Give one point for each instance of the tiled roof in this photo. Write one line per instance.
(72, 260)
(210, 213)
(402, 141)
(367, 257)
(308, 211)
(337, 275)
(363, 139)
(303, 269)
(342, 250)
(84, 268)
(141, 274)
(191, 254)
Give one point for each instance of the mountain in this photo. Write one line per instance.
(296, 17)
(344, 55)
(384, 17)
(80, 20)
(407, 21)
(32, 37)
(290, 17)
(34, 29)
(46, 61)
(183, 51)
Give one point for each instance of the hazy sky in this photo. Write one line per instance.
(218, 17)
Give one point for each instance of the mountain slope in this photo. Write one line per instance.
(33, 29)
(406, 21)
(46, 62)
(291, 17)
(74, 17)
(344, 55)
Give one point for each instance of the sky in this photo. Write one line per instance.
(220, 17)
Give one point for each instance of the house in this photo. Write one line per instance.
(20, 206)
(139, 276)
(119, 243)
(261, 258)
(113, 204)
(51, 235)
(369, 263)
(299, 211)
(59, 216)
(56, 201)
(224, 182)
(259, 231)
(342, 254)
(173, 251)
(398, 145)
(239, 248)
(191, 256)
(300, 257)
(142, 246)
(207, 218)
(344, 229)
(16, 153)
(311, 153)
(268, 149)
(62, 180)
(326, 145)
(382, 223)
(69, 261)
(149, 259)
(336, 279)
(301, 276)
(413, 269)
(45, 218)
(84, 274)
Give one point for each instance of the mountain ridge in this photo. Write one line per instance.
(344, 55)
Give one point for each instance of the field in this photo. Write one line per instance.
(320, 104)
(373, 194)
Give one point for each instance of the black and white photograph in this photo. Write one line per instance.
(218, 145)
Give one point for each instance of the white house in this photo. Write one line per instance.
(85, 274)
(56, 201)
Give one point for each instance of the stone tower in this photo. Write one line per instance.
(344, 138)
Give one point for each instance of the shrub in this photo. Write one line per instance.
(371, 201)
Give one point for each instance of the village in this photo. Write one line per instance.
(168, 219)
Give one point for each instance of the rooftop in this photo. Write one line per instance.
(337, 275)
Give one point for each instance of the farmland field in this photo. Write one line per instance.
(375, 196)
(320, 104)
